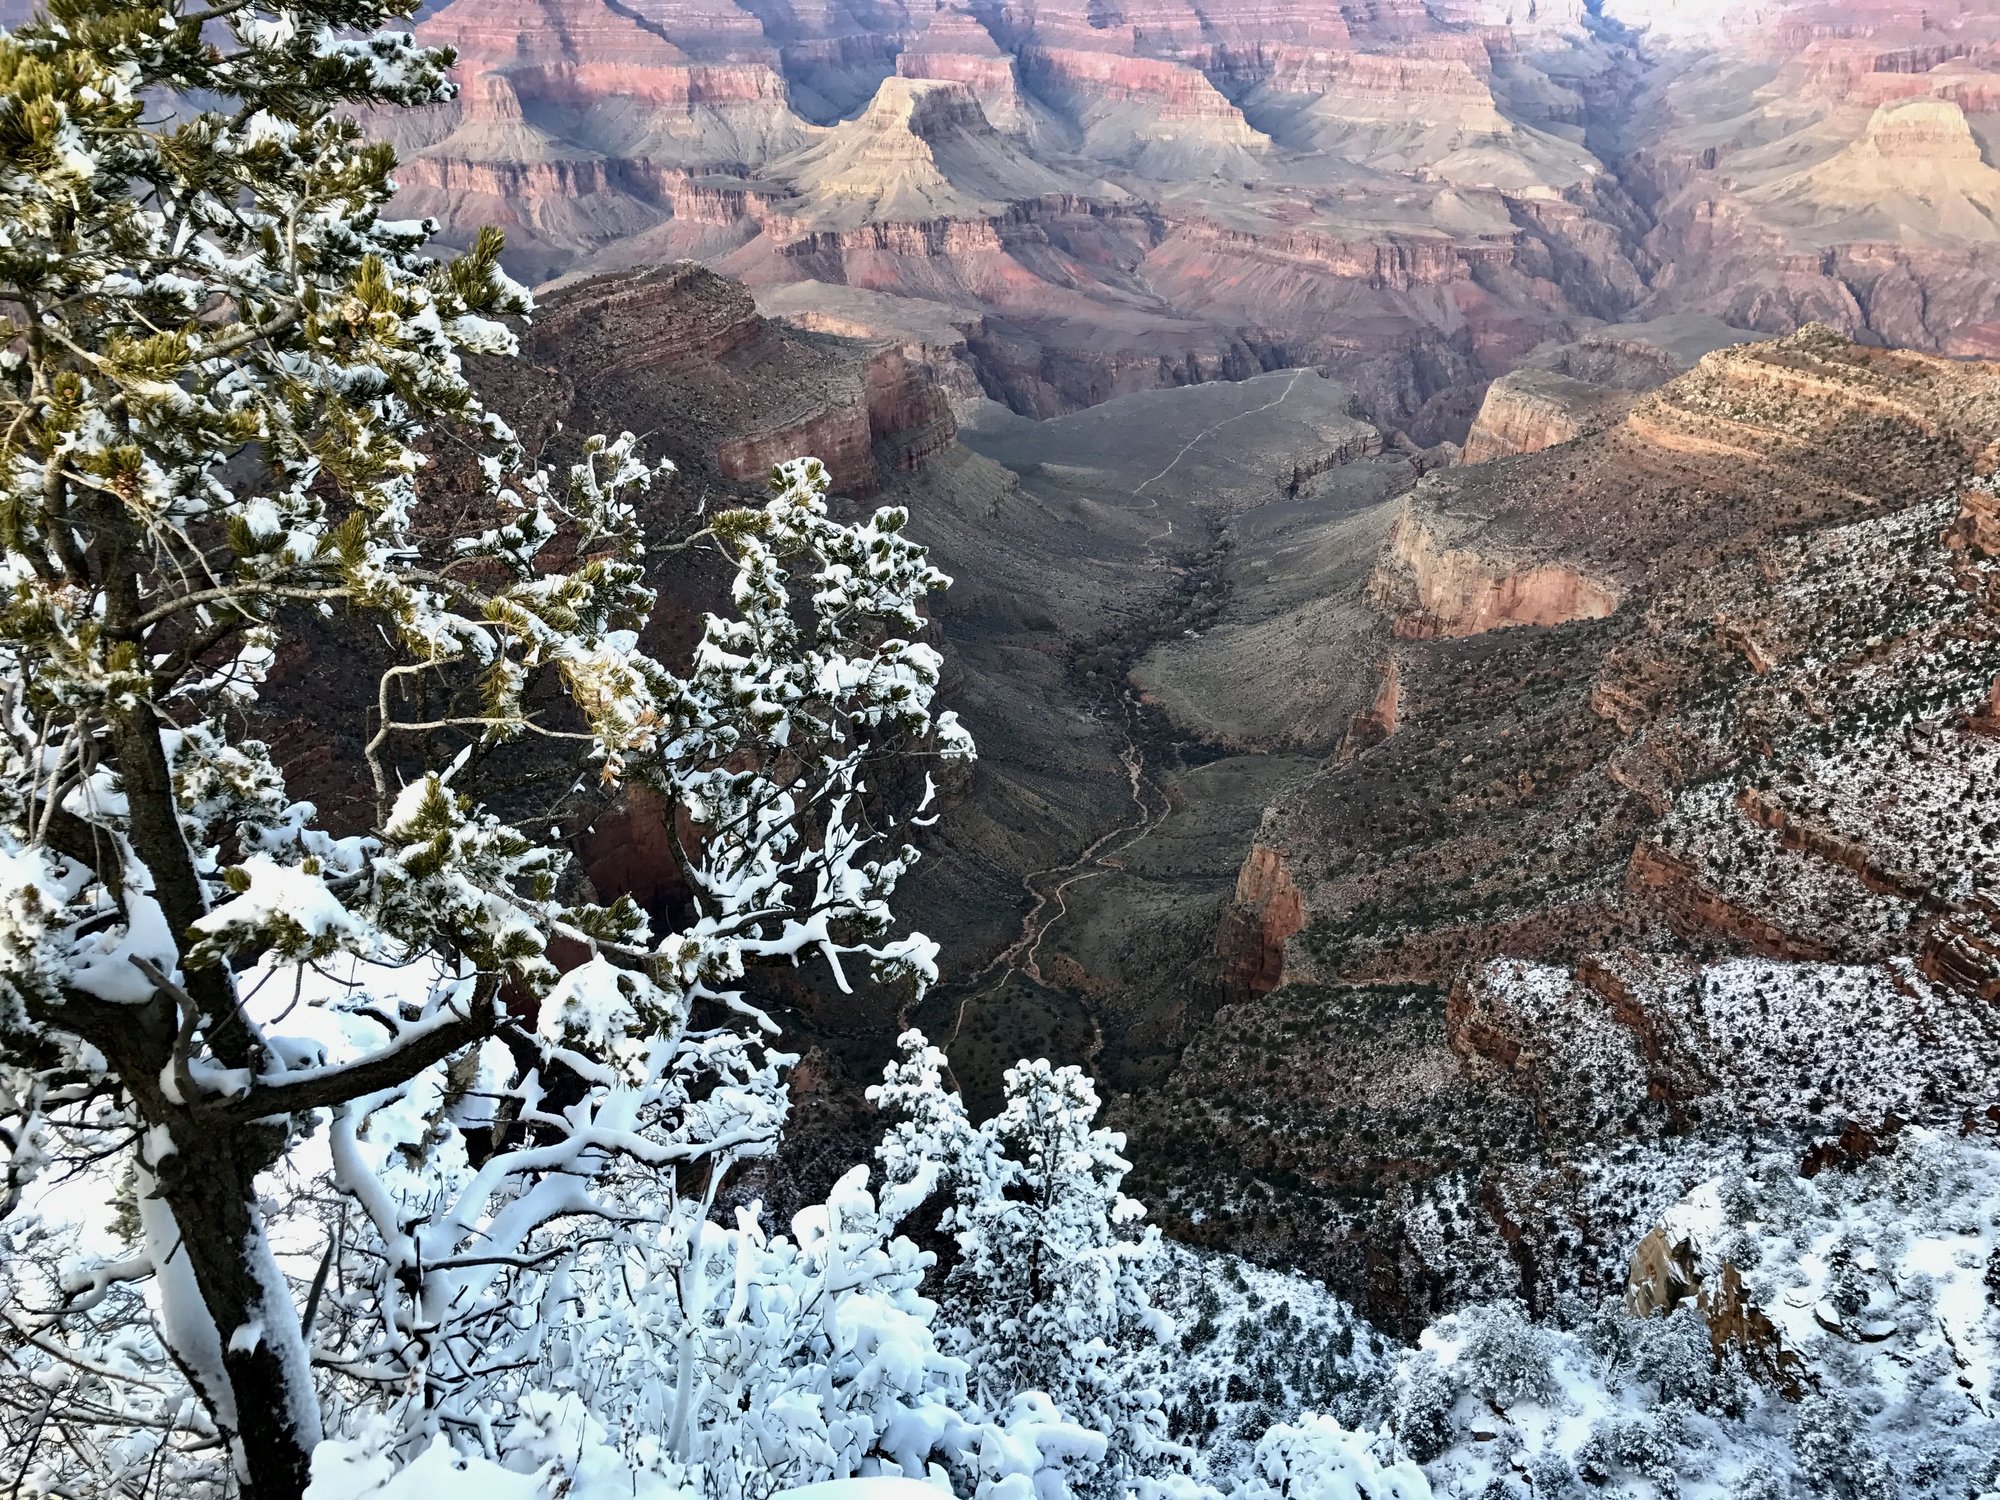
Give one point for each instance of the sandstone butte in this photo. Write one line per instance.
(1099, 202)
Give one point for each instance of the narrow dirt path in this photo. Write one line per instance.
(1049, 888)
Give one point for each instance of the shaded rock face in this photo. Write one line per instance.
(686, 346)
(1411, 197)
(1267, 913)
(837, 436)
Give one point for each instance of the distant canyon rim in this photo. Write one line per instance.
(1056, 204)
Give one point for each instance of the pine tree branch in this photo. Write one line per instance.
(415, 1048)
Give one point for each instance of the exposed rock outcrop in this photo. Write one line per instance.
(1376, 722)
(1976, 528)
(1267, 913)
(1435, 588)
(1528, 410)
(1665, 1274)
(683, 340)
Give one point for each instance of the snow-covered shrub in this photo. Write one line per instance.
(1675, 1356)
(1051, 1285)
(1424, 1394)
(1253, 1346)
(1318, 1459)
(1506, 1357)
(740, 1364)
(1652, 1445)
(1873, 1275)
(1835, 1456)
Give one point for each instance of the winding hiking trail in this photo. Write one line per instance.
(1048, 889)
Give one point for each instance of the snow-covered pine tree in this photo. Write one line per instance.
(1051, 1285)
(371, 1138)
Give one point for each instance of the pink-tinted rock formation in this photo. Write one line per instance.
(1412, 196)
(1528, 410)
(1267, 913)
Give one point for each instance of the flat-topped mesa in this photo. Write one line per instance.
(1922, 130)
(1528, 410)
(926, 109)
(677, 316)
(680, 347)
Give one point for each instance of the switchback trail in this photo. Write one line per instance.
(1048, 889)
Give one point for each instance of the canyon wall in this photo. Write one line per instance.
(1415, 198)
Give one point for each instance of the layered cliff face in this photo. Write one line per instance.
(1161, 118)
(1528, 410)
(1410, 197)
(1436, 588)
(570, 110)
(681, 349)
(1619, 874)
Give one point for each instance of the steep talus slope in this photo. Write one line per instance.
(1605, 877)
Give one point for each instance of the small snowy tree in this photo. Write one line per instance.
(375, 1146)
(1318, 1459)
(1051, 1288)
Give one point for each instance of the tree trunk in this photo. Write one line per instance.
(210, 1189)
(209, 1181)
(154, 828)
